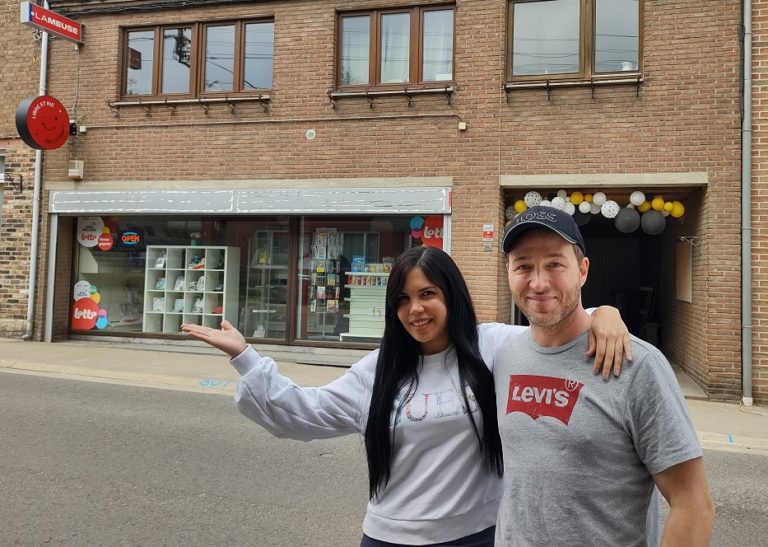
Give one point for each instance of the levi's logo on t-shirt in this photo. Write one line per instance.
(540, 396)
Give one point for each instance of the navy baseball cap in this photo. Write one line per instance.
(550, 218)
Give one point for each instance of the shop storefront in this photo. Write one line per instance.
(314, 271)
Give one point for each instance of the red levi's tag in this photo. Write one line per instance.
(539, 396)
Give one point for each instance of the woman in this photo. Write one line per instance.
(433, 449)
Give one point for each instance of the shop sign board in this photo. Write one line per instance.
(50, 21)
(88, 231)
(432, 235)
(42, 122)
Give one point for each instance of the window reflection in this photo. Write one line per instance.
(546, 37)
(355, 48)
(141, 46)
(395, 47)
(177, 48)
(437, 46)
(259, 55)
(219, 58)
(617, 40)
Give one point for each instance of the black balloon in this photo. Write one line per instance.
(581, 218)
(627, 221)
(653, 222)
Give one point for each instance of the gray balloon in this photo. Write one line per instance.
(581, 218)
(627, 221)
(653, 222)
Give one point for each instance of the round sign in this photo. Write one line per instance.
(105, 242)
(42, 122)
(85, 313)
(89, 229)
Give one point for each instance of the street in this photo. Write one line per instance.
(92, 464)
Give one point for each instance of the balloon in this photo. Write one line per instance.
(532, 199)
(599, 198)
(416, 223)
(678, 209)
(581, 218)
(668, 205)
(657, 203)
(570, 208)
(644, 206)
(577, 198)
(594, 208)
(630, 205)
(585, 207)
(520, 206)
(665, 213)
(627, 221)
(653, 223)
(610, 209)
(588, 198)
(562, 194)
(558, 202)
(545, 203)
(636, 198)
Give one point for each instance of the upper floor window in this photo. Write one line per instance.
(573, 38)
(198, 59)
(400, 46)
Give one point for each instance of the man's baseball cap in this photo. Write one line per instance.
(550, 218)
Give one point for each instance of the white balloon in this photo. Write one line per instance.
(545, 203)
(585, 207)
(562, 193)
(510, 212)
(558, 203)
(665, 213)
(594, 208)
(610, 209)
(630, 205)
(570, 208)
(532, 199)
(598, 198)
(637, 198)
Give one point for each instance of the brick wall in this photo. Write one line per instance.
(685, 119)
(18, 79)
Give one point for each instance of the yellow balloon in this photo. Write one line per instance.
(105, 230)
(644, 206)
(588, 198)
(520, 206)
(668, 205)
(658, 203)
(577, 197)
(678, 209)
(507, 223)
(96, 297)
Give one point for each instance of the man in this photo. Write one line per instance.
(582, 455)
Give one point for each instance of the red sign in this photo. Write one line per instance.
(85, 313)
(42, 122)
(432, 233)
(105, 242)
(539, 396)
(134, 59)
(50, 21)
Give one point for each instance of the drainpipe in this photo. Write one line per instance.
(36, 196)
(746, 209)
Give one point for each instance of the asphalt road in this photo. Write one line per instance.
(92, 464)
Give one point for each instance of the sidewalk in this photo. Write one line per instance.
(722, 426)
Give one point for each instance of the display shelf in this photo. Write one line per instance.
(189, 284)
(324, 296)
(367, 294)
(265, 312)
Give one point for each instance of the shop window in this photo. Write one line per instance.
(405, 46)
(199, 59)
(556, 39)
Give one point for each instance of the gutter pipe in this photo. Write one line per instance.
(746, 208)
(36, 197)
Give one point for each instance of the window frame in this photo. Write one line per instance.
(587, 28)
(199, 33)
(415, 57)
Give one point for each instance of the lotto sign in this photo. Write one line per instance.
(432, 236)
(85, 313)
(88, 230)
(50, 21)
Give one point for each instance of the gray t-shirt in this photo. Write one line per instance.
(579, 452)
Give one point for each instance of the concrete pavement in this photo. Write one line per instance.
(723, 426)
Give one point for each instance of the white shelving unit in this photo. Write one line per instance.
(367, 292)
(190, 284)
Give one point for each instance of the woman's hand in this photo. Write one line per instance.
(228, 339)
(608, 341)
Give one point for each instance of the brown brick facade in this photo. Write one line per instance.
(683, 119)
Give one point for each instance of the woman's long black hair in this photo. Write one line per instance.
(400, 356)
